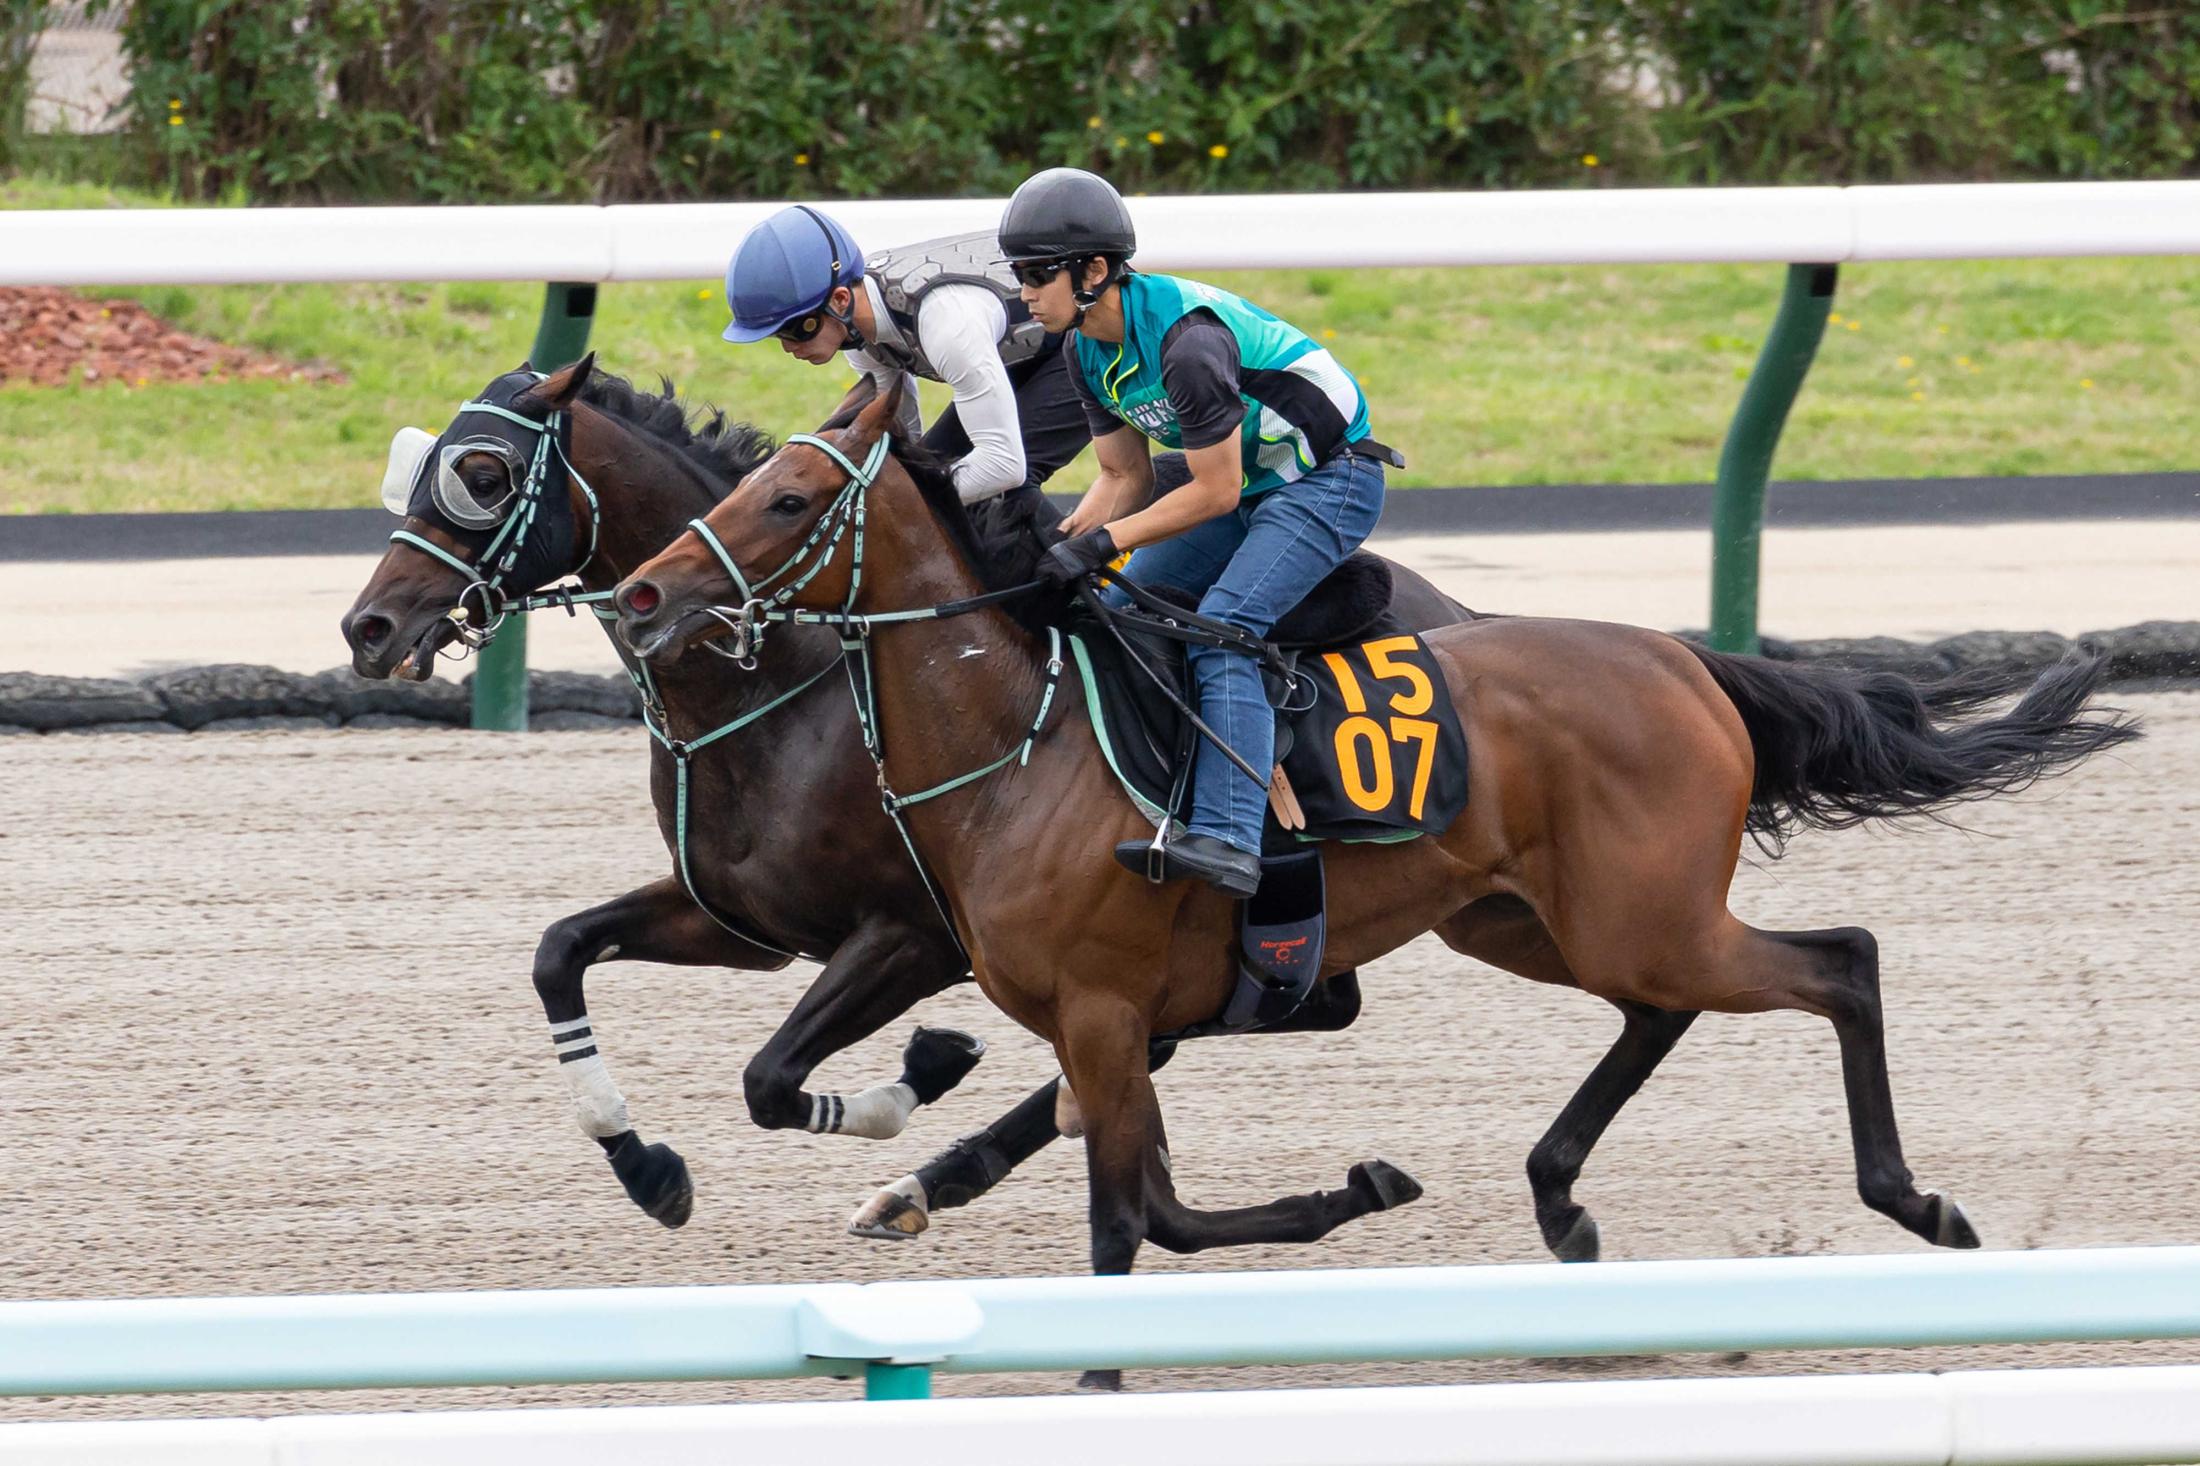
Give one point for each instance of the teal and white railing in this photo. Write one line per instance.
(897, 1335)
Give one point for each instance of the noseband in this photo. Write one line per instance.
(747, 622)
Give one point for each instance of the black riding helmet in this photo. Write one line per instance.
(1070, 215)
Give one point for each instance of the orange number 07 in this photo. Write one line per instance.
(1373, 786)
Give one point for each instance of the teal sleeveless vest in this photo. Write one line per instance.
(1301, 407)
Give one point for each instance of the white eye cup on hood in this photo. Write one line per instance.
(459, 501)
(408, 450)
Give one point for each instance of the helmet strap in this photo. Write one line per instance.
(1087, 298)
(856, 340)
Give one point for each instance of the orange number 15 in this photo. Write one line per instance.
(1373, 786)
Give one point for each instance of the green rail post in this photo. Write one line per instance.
(1745, 462)
(897, 1381)
(500, 676)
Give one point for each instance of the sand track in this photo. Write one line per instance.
(270, 1030)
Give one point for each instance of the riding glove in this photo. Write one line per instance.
(1077, 557)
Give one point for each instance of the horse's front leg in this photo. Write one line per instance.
(880, 972)
(978, 1162)
(658, 922)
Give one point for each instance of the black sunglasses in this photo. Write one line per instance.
(1036, 273)
(802, 328)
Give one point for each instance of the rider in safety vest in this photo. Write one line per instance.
(1286, 481)
(944, 309)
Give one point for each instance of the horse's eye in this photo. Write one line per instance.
(789, 504)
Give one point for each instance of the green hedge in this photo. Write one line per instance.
(479, 100)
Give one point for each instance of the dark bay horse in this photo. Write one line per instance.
(1615, 773)
(774, 877)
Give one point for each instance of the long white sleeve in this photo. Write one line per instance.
(961, 327)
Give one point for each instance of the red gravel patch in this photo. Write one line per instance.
(51, 338)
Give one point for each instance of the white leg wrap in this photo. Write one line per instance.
(879, 1113)
(1069, 1121)
(597, 1103)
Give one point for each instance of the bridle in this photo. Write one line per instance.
(502, 553)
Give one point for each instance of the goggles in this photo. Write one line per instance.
(481, 502)
(802, 328)
(1036, 273)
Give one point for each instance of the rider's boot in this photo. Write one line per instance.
(1196, 857)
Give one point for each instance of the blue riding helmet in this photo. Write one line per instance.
(785, 269)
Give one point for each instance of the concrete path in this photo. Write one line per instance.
(1916, 581)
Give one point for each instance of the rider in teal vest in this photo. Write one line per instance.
(1286, 480)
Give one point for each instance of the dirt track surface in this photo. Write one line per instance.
(270, 1031)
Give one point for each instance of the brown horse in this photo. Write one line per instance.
(756, 878)
(1615, 773)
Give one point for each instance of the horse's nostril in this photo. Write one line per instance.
(642, 599)
(372, 631)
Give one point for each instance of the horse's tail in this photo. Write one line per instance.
(1836, 747)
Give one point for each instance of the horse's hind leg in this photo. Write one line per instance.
(1555, 1163)
(1505, 932)
(1735, 968)
(653, 923)
(1835, 974)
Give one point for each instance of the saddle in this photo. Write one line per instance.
(1368, 745)
(1351, 670)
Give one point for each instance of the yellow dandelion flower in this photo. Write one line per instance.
(1093, 121)
(1943, 330)
(1835, 317)
(1854, 325)
(1917, 396)
(1963, 361)
(801, 160)
(1219, 150)
(1905, 362)
(702, 295)
(1588, 160)
(1328, 333)
(175, 122)
(1157, 137)
(175, 104)
(105, 314)
(141, 381)
(1121, 141)
(716, 134)
(2086, 383)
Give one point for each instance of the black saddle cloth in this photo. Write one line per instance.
(1325, 637)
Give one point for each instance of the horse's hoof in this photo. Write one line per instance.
(935, 1060)
(896, 1214)
(1105, 1381)
(1951, 1228)
(1582, 1242)
(1383, 1184)
(656, 1178)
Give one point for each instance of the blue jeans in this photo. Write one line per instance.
(1249, 567)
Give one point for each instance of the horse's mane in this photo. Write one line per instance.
(1000, 539)
(728, 451)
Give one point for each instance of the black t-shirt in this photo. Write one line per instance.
(1199, 371)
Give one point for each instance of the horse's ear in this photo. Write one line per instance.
(877, 417)
(558, 390)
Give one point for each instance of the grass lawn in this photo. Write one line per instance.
(1487, 376)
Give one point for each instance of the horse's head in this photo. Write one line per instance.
(789, 536)
(492, 510)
